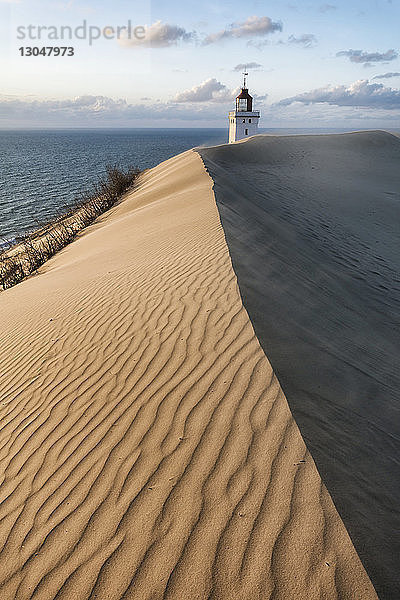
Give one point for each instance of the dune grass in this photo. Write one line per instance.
(33, 249)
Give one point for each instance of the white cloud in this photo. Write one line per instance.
(158, 35)
(101, 110)
(252, 27)
(85, 106)
(207, 102)
(324, 8)
(247, 66)
(307, 40)
(386, 76)
(213, 91)
(210, 90)
(359, 94)
(368, 58)
(328, 116)
(259, 44)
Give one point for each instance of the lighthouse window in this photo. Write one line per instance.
(244, 120)
(246, 132)
(249, 120)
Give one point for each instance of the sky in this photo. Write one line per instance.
(310, 63)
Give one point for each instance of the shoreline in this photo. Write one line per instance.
(27, 229)
(21, 259)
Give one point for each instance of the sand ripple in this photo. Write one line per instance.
(147, 450)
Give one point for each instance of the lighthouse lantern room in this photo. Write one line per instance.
(243, 121)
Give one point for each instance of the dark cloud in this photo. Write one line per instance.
(252, 27)
(368, 58)
(386, 76)
(359, 94)
(307, 40)
(249, 65)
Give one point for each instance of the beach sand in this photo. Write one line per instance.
(312, 224)
(147, 449)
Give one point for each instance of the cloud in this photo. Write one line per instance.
(65, 5)
(252, 27)
(250, 65)
(307, 40)
(367, 58)
(213, 91)
(159, 35)
(259, 44)
(81, 105)
(209, 90)
(324, 8)
(359, 94)
(209, 101)
(102, 111)
(386, 76)
(328, 116)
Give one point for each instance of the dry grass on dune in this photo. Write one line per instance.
(147, 449)
(33, 249)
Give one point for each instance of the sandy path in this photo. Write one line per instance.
(147, 450)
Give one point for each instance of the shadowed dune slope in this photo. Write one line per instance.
(312, 224)
(147, 450)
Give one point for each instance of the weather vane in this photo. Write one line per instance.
(245, 73)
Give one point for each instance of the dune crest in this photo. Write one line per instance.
(147, 449)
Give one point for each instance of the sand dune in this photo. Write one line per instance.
(147, 449)
(312, 224)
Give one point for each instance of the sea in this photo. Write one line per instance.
(42, 172)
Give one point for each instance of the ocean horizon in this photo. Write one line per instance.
(43, 171)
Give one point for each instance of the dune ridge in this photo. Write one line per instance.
(147, 449)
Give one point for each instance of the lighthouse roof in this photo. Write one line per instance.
(244, 94)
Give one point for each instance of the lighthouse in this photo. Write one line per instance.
(243, 121)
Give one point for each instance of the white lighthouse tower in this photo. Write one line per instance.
(243, 121)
